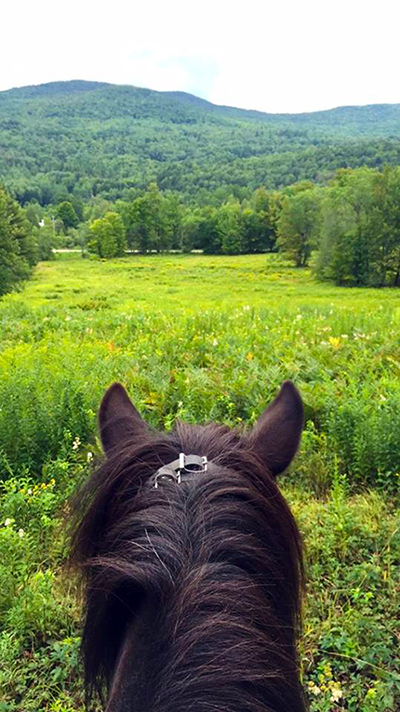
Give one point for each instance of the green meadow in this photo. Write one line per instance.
(203, 338)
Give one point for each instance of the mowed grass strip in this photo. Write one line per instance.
(203, 338)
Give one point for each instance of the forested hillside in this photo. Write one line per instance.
(89, 138)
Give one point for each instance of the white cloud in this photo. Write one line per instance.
(289, 56)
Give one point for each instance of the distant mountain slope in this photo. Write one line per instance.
(96, 138)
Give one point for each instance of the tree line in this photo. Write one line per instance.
(352, 225)
(347, 230)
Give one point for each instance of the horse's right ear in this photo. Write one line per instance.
(276, 435)
(118, 419)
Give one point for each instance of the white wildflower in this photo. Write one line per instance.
(76, 443)
(29, 491)
(89, 456)
(21, 533)
(336, 694)
(7, 522)
(215, 342)
(315, 690)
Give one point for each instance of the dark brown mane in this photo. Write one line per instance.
(192, 590)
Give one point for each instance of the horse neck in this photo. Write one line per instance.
(194, 652)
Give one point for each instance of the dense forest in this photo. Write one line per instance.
(88, 139)
(115, 168)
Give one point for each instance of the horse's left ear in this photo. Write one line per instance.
(276, 435)
(118, 419)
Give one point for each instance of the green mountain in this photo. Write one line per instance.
(91, 138)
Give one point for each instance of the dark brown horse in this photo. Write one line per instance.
(192, 563)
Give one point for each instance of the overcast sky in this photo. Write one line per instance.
(277, 56)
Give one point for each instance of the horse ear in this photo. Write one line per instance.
(118, 418)
(276, 435)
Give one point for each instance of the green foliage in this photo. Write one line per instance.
(360, 237)
(248, 323)
(67, 215)
(151, 220)
(352, 544)
(45, 240)
(229, 228)
(107, 236)
(298, 225)
(18, 250)
(38, 612)
(86, 139)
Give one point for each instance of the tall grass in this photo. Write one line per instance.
(193, 358)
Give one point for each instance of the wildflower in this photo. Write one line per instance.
(7, 522)
(334, 342)
(315, 689)
(336, 694)
(76, 443)
(30, 491)
(215, 342)
(21, 533)
(89, 456)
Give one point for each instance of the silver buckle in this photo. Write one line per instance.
(185, 464)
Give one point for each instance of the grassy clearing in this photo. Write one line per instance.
(203, 338)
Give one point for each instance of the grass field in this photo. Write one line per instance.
(202, 338)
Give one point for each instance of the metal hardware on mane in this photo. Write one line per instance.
(179, 470)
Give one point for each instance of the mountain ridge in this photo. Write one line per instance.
(82, 86)
(97, 138)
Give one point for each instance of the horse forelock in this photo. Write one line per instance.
(212, 570)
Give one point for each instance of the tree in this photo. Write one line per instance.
(152, 220)
(230, 227)
(107, 236)
(385, 234)
(360, 236)
(18, 250)
(189, 229)
(298, 225)
(67, 214)
(45, 239)
(34, 213)
(209, 236)
(264, 226)
(346, 228)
